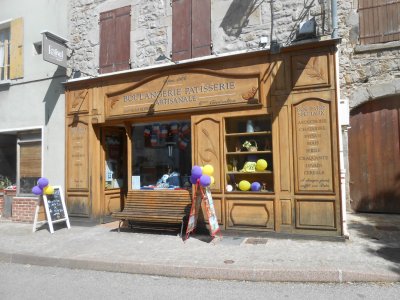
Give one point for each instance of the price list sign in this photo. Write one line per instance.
(313, 146)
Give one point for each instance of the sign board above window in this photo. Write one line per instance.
(54, 49)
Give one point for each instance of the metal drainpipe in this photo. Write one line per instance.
(334, 19)
(342, 127)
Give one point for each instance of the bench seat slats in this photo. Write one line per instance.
(168, 206)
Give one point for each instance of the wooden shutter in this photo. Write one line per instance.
(115, 27)
(201, 28)
(16, 49)
(181, 29)
(30, 160)
(379, 21)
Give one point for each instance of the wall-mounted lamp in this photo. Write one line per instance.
(275, 47)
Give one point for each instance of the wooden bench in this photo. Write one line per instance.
(158, 206)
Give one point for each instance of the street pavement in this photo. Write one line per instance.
(370, 254)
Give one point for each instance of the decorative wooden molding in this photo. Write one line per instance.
(79, 102)
(311, 71)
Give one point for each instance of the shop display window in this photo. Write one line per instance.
(248, 157)
(161, 155)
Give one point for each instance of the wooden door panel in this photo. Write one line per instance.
(374, 156)
(207, 137)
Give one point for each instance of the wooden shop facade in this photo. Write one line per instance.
(139, 133)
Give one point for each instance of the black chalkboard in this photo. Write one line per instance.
(55, 204)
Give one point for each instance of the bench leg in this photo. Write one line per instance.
(119, 225)
(183, 223)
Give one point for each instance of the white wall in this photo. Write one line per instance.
(37, 99)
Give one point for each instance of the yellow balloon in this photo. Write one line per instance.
(261, 165)
(212, 179)
(208, 170)
(244, 185)
(48, 190)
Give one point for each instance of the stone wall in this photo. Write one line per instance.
(366, 72)
(235, 25)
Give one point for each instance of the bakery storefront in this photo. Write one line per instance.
(139, 133)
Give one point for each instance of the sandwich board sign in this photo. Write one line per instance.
(55, 209)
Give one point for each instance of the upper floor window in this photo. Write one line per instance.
(379, 21)
(11, 49)
(191, 29)
(115, 28)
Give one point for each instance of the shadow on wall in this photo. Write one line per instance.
(237, 16)
(54, 91)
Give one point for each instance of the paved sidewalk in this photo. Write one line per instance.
(371, 254)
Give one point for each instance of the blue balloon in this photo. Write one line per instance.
(205, 180)
(37, 190)
(43, 182)
(197, 172)
(193, 180)
(255, 186)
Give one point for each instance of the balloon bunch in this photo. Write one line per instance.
(245, 185)
(203, 175)
(43, 187)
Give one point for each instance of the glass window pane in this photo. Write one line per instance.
(161, 155)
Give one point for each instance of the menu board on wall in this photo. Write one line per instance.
(313, 146)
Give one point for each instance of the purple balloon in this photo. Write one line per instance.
(43, 182)
(196, 172)
(37, 190)
(193, 180)
(255, 186)
(205, 180)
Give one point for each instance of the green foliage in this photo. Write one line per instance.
(4, 182)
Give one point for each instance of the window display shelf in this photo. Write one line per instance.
(248, 154)
(248, 133)
(249, 173)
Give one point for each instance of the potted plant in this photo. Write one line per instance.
(4, 182)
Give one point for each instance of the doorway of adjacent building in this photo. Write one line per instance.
(374, 156)
(114, 174)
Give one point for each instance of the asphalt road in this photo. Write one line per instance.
(36, 282)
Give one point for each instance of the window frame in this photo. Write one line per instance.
(6, 28)
(35, 137)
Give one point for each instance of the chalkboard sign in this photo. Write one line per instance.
(55, 208)
(55, 204)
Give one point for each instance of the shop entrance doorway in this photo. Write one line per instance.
(114, 170)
